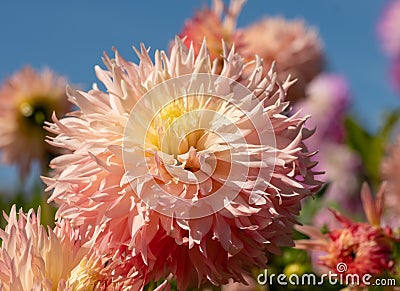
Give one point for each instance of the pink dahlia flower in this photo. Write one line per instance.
(389, 29)
(27, 100)
(358, 247)
(389, 169)
(32, 258)
(296, 49)
(186, 173)
(212, 25)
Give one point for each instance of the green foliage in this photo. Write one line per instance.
(371, 147)
(312, 205)
(25, 201)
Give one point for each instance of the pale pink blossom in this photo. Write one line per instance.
(295, 47)
(33, 258)
(27, 100)
(148, 155)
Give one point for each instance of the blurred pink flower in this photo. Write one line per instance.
(27, 100)
(32, 258)
(390, 168)
(295, 47)
(364, 248)
(389, 32)
(395, 73)
(389, 29)
(342, 172)
(208, 23)
(130, 171)
(327, 101)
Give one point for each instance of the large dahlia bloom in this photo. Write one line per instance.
(27, 100)
(183, 171)
(214, 25)
(296, 49)
(358, 247)
(32, 258)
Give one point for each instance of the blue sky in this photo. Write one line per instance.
(70, 37)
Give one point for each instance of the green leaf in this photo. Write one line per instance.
(371, 147)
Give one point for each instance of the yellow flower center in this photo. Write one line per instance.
(175, 127)
(84, 276)
(172, 111)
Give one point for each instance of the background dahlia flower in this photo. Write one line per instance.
(328, 100)
(214, 24)
(389, 33)
(364, 248)
(389, 29)
(295, 47)
(185, 172)
(27, 100)
(390, 166)
(32, 258)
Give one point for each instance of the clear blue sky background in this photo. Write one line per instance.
(70, 37)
